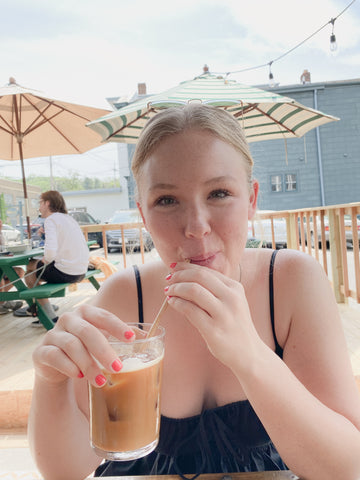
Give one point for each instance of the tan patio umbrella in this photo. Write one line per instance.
(32, 125)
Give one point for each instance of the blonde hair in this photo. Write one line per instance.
(176, 120)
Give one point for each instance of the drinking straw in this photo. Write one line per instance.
(157, 319)
(161, 311)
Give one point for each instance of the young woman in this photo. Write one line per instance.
(256, 372)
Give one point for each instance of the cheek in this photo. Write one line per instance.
(161, 229)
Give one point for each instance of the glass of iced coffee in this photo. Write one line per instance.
(125, 413)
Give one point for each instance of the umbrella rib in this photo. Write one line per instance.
(33, 126)
(280, 125)
(61, 107)
(245, 110)
(11, 131)
(151, 110)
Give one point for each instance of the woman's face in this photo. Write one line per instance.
(195, 201)
(44, 208)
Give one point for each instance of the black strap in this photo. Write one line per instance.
(139, 293)
(278, 348)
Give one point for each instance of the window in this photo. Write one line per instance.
(290, 182)
(286, 182)
(276, 183)
(8, 199)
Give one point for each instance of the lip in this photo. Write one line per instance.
(203, 260)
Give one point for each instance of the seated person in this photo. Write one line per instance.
(66, 254)
(6, 285)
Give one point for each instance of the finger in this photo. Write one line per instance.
(86, 336)
(81, 339)
(210, 292)
(103, 320)
(50, 358)
(68, 355)
(211, 279)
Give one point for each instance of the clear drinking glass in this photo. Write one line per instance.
(125, 413)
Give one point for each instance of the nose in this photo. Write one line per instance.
(197, 223)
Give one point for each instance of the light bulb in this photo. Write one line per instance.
(271, 80)
(333, 44)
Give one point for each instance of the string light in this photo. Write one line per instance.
(333, 44)
(333, 48)
(271, 76)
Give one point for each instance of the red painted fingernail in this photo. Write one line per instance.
(129, 334)
(166, 289)
(80, 374)
(173, 265)
(168, 276)
(116, 365)
(100, 380)
(168, 297)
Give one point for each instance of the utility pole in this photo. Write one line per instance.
(52, 183)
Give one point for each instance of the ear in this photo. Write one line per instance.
(253, 199)
(141, 213)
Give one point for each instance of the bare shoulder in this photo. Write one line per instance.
(119, 294)
(314, 342)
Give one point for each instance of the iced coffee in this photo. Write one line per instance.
(125, 413)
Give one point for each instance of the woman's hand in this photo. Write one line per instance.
(69, 350)
(217, 306)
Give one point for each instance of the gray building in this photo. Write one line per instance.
(321, 168)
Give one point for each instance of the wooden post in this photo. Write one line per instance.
(335, 254)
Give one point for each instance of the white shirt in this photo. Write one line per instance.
(65, 244)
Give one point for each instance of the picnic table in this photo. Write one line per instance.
(31, 295)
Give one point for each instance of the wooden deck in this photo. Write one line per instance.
(18, 338)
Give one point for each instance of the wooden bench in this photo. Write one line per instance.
(52, 290)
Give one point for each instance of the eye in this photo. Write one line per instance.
(219, 193)
(165, 201)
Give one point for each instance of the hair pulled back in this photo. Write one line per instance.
(176, 120)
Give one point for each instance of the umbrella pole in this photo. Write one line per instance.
(25, 189)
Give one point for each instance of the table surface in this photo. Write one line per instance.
(287, 475)
(278, 475)
(18, 258)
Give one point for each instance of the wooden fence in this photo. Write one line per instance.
(337, 227)
(310, 230)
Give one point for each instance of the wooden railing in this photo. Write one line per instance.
(116, 226)
(312, 229)
(308, 230)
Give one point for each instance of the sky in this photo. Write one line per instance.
(86, 51)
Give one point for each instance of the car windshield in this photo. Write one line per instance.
(125, 216)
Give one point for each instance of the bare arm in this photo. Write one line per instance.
(308, 403)
(58, 421)
(59, 433)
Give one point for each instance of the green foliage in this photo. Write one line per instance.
(72, 182)
(3, 215)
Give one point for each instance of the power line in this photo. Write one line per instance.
(270, 63)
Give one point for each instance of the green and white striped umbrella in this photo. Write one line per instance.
(264, 115)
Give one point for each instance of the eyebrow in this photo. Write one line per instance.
(170, 186)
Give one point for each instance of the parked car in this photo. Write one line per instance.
(347, 224)
(84, 218)
(34, 227)
(131, 235)
(259, 231)
(10, 234)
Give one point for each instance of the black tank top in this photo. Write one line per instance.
(225, 439)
